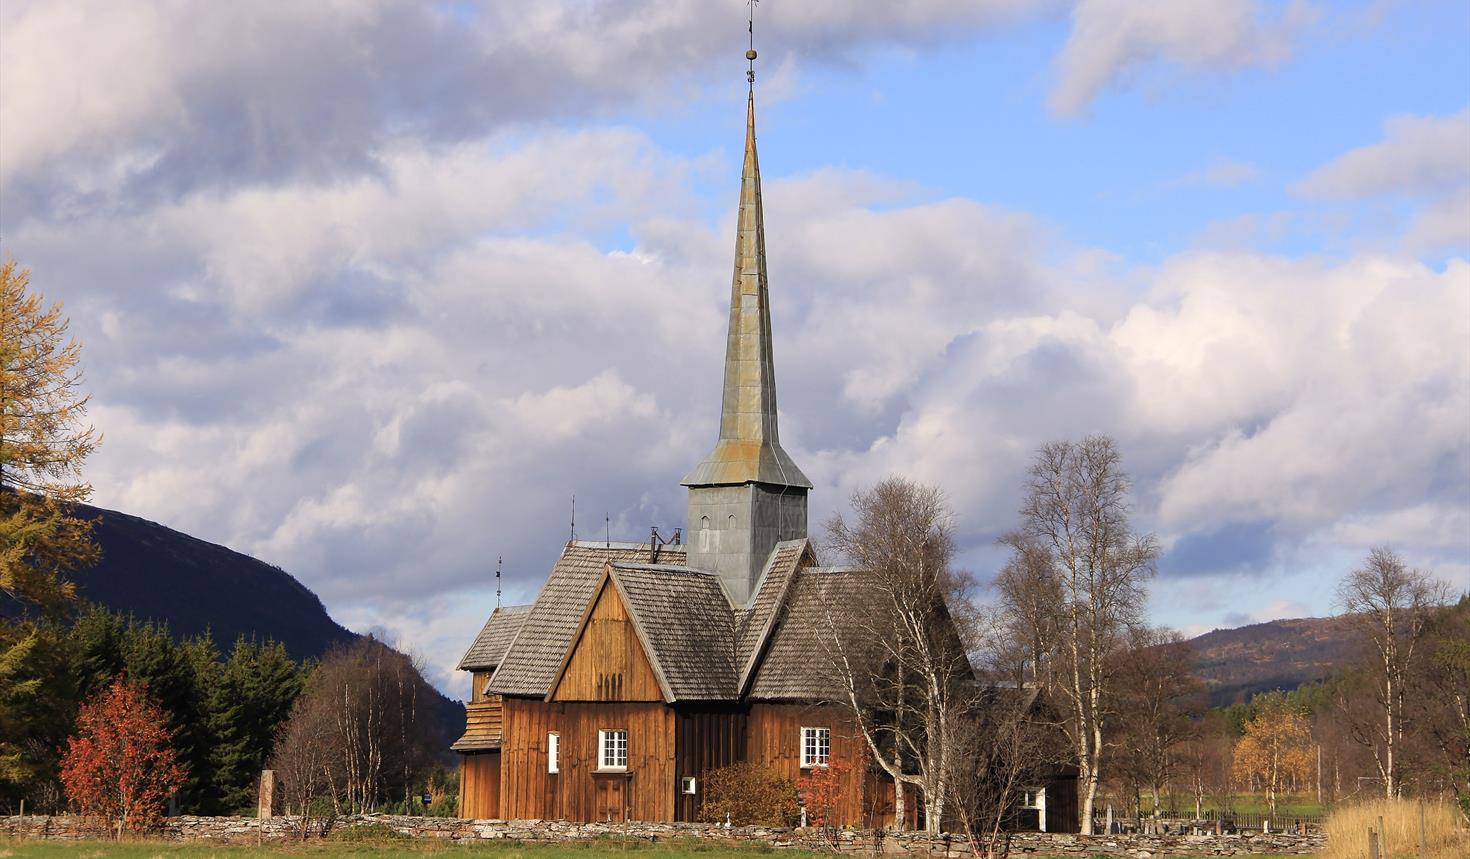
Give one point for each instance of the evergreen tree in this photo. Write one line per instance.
(253, 695)
(37, 705)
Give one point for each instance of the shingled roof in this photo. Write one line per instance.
(795, 665)
(532, 660)
(758, 618)
(494, 639)
(687, 625)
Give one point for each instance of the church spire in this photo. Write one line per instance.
(747, 495)
(749, 448)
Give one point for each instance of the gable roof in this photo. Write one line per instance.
(489, 647)
(687, 626)
(795, 664)
(534, 657)
(684, 622)
(759, 616)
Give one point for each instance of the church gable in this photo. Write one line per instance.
(607, 661)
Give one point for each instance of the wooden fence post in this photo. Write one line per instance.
(1372, 844)
(1422, 839)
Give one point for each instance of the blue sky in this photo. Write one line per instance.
(369, 290)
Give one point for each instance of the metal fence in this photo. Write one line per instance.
(1224, 821)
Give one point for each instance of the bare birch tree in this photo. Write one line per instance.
(1159, 701)
(894, 646)
(1030, 594)
(1391, 605)
(1075, 515)
(366, 698)
(1006, 744)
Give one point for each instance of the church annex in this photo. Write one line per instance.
(641, 667)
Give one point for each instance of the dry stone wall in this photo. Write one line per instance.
(249, 830)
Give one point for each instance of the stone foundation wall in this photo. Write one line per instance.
(249, 829)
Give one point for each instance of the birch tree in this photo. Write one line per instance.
(1391, 606)
(1075, 522)
(894, 644)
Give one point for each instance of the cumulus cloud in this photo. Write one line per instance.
(1112, 39)
(1422, 159)
(1420, 155)
(162, 98)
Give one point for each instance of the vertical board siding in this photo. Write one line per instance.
(773, 737)
(578, 792)
(608, 662)
(477, 686)
(479, 785)
(706, 739)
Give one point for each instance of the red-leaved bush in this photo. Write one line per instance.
(119, 765)
(821, 790)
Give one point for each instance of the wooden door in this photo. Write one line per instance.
(612, 798)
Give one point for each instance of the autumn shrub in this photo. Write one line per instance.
(119, 765)
(750, 794)
(1347, 830)
(821, 789)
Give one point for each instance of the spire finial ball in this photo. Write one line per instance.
(750, 54)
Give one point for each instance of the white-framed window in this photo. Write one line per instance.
(553, 752)
(1033, 798)
(612, 750)
(816, 746)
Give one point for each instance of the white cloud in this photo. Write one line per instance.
(1222, 173)
(1111, 39)
(1442, 223)
(189, 93)
(1420, 155)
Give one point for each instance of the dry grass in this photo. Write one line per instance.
(1347, 831)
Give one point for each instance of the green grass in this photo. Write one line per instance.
(1251, 804)
(333, 849)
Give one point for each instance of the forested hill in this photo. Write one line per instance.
(158, 573)
(1283, 654)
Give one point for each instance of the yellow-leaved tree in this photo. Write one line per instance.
(43, 440)
(44, 437)
(1276, 748)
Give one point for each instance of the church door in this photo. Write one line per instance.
(612, 798)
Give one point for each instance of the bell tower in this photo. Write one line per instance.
(747, 495)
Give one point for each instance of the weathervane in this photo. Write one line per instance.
(498, 559)
(750, 54)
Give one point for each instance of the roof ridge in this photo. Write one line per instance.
(747, 671)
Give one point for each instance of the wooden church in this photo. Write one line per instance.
(641, 667)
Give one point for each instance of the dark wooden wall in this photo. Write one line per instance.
(773, 738)
(608, 662)
(479, 785)
(1063, 809)
(706, 738)
(578, 792)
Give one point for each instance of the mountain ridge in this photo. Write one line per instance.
(155, 572)
(1236, 663)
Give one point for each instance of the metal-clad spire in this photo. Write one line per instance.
(749, 449)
